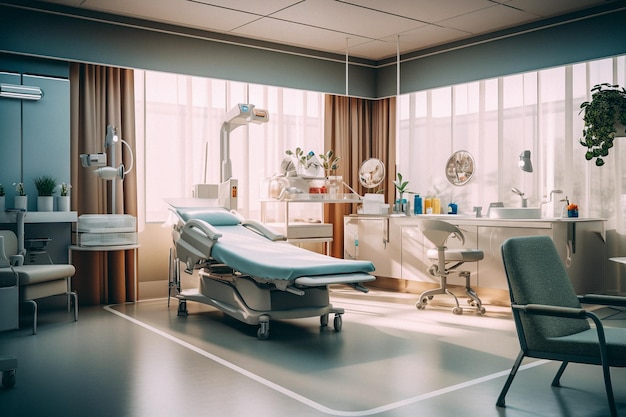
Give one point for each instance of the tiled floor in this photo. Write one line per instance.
(389, 360)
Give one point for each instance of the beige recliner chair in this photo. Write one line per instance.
(35, 281)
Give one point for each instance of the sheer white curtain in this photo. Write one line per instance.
(179, 119)
(495, 120)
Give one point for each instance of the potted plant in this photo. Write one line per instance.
(401, 187)
(307, 163)
(45, 188)
(20, 201)
(63, 200)
(330, 163)
(603, 115)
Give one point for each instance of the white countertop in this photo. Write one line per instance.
(472, 219)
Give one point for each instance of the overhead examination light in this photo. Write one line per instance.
(22, 92)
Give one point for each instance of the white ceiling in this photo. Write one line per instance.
(370, 29)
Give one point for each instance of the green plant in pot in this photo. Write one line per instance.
(401, 188)
(45, 185)
(602, 114)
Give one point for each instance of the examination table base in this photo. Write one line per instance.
(256, 303)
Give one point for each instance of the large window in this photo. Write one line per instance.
(179, 119)
(496, 120)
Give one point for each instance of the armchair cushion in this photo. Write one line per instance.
(586, 344)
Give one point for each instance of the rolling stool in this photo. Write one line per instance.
(446, 261)
(8, 365)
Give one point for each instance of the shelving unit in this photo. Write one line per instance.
(304, 230)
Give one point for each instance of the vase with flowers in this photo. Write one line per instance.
(63, 200)
(20, 201)
(307, 164)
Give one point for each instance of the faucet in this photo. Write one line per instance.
(551, 193)
(521, 194)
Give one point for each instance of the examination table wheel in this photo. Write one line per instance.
(338, 322)
(264, 328)
(324, 320)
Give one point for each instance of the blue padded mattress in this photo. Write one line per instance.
(250, 253)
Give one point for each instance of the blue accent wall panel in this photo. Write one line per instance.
(10, 139)
(46, 134)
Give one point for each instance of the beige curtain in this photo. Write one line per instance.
(102, 96)
(357, 129)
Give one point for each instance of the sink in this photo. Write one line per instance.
(515, 213)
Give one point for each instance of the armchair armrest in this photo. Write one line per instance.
(556, 311)
(16, 260)
(567, 312)
(604, 300)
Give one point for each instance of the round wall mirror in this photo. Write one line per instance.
(460, 168)
(372, 173)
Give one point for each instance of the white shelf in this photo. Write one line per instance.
(317, 198)
(41, 217)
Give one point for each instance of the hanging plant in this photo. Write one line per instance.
(606, 108)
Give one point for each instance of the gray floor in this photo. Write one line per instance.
(389, 360)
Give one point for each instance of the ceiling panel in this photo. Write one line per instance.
(190, 14)
(425, 10)
(371, 27)
(295, 34)
(345, 18)
(499, 15)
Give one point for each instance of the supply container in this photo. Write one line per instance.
(417, 205)
(428, 205)
(452, 208)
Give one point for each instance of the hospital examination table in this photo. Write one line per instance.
(252, 274)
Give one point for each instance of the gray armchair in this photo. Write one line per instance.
(35, 281)
(550, 321)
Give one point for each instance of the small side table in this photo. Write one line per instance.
(134, 248)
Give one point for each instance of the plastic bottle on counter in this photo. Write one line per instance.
(417, 204)
(436, 205)
(428, 205)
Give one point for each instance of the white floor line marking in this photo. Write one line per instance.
(308, 401)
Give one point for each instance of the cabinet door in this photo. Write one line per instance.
(414, 261)
(582, 247)
(371, 244)
(491, 268)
